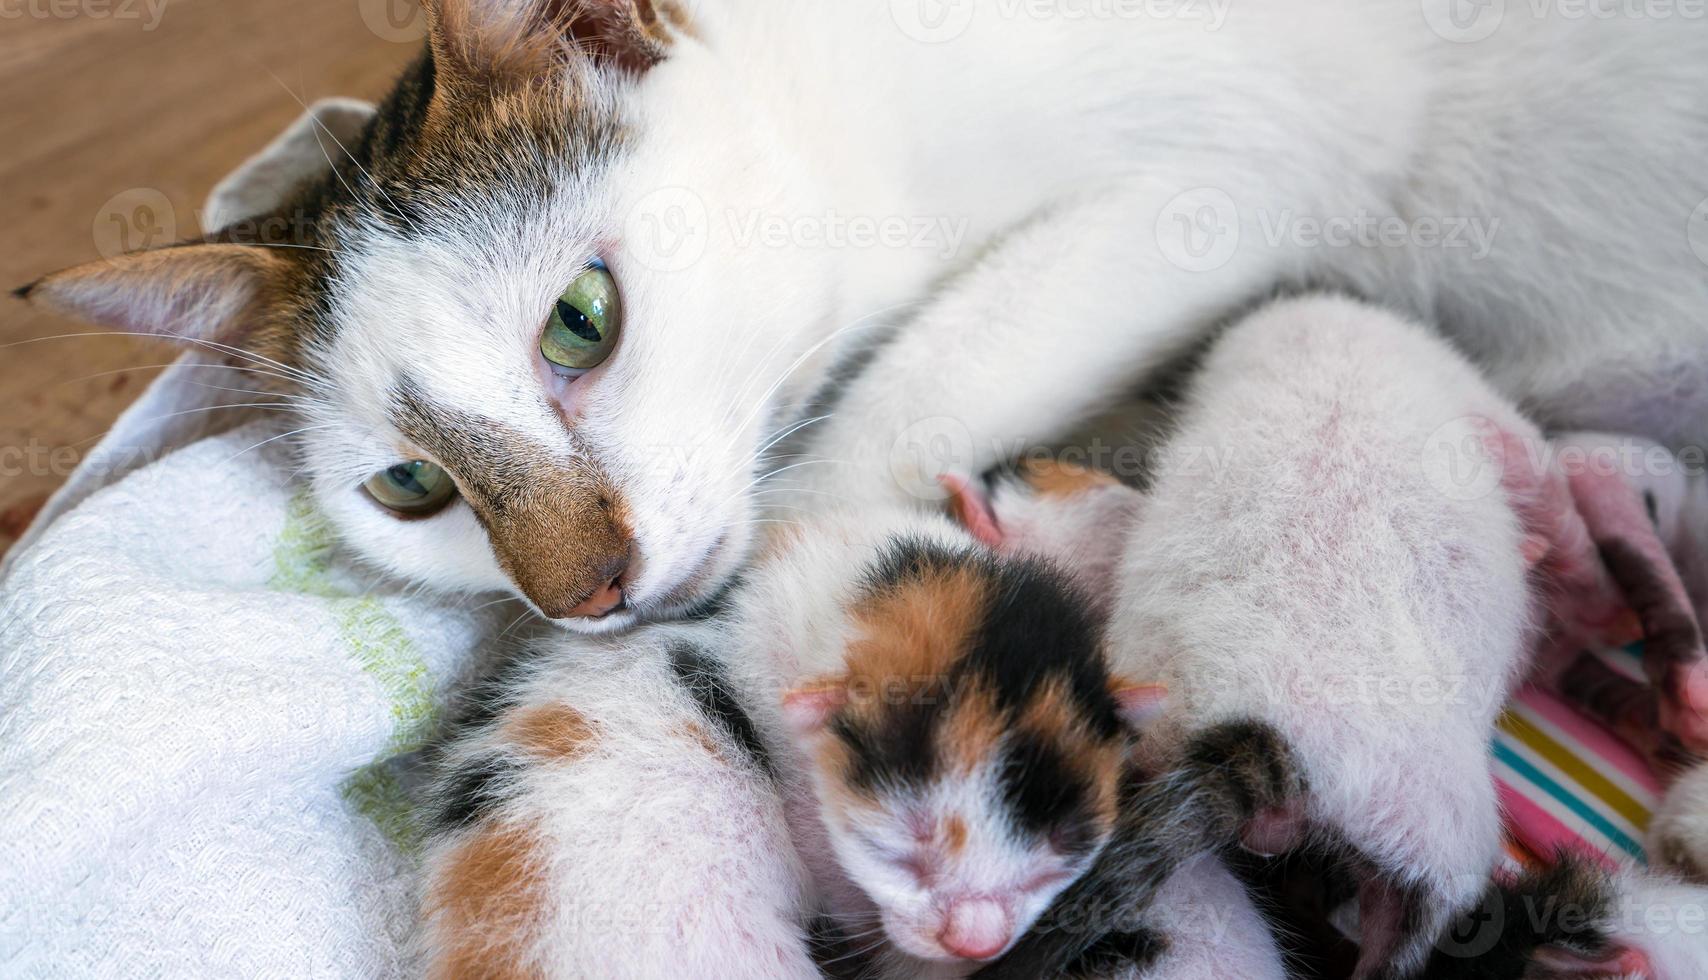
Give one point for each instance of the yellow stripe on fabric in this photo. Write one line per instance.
(302, 562)
(1644, 796)
(1580, 771)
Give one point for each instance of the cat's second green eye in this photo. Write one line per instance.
(414, 489)
(583, 324)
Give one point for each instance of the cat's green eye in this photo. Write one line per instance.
(583, 326)
(416, 489)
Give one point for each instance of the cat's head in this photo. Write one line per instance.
(968, 758)
(501, 377)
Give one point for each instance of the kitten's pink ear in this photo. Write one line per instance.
(194, 292)
(1138, 704)
(497, 43)
(971, 507)
(809, 709)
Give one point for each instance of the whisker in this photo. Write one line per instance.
(282, 435)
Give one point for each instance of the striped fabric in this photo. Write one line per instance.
(1565, 781)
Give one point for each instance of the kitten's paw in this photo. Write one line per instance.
(1678, 834)
(1246, 771)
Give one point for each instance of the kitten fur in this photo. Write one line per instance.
(1309, 557)
(1168, 173)
(938, 725)
(594, 818)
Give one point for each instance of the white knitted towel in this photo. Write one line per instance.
(198, 702)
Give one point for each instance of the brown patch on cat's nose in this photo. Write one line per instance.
(570, 552)
(595, 592)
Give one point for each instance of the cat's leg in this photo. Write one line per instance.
(1053, 323)
(598, 819)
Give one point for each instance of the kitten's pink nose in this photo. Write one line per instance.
(975, 928)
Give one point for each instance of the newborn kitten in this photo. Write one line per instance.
(1309, 557)
(948, 745)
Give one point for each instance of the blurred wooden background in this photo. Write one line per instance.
(117, 111)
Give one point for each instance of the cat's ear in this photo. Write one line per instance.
(808, 709)
(196, 292)
(495, 44)
(1138, 704)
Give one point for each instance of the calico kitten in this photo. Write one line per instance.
(544, 332)
(949, 746)
(1352, 542)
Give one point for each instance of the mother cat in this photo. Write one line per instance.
(549, 316)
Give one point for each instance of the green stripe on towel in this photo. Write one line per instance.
(376, 640)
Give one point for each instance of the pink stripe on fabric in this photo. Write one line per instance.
(1538, 830)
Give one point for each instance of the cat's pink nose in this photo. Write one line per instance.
(601, 602)
(608, 597)
(975, 928)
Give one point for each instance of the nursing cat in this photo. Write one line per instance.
(550, 314)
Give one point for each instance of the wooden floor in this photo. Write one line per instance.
(106, 114)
